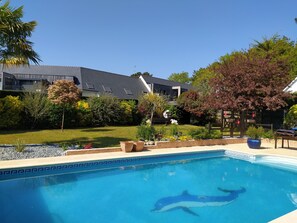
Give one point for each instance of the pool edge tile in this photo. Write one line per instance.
(289, 217)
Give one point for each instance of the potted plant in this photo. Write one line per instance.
(254, 136)
(138, 146)
(127, 146)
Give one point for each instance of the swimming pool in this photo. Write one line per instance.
(189, 187)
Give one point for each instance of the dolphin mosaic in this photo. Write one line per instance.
(185, 201)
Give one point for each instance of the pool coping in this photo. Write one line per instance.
(5, 164)
(289, 217)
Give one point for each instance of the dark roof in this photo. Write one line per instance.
(41, 69)
(93, 82)
(121, 86)
(44, 71)
(165, 82)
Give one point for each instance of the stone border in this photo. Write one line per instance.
(203, 142)
(162, 145)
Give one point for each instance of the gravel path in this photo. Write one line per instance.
(8, 152)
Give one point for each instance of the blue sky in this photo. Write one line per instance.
(157, 36)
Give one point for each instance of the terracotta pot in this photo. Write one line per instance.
(127, 146)
(138, 146)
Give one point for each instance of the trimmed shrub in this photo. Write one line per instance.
(10, 112)
(129, 112)
(215, 134)
(199, 133)
(106, 110)
(55, 115)
(203, 133)
(84, 114)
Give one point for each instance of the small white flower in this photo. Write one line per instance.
(148, 122)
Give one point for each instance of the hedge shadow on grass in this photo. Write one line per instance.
(7, 132)
(97, 130)
(98, 142)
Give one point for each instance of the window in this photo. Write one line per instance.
(8, 83)
(69, 78)
(27, 82)
(128, 91)
(107, 89)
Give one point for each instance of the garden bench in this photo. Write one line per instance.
(284, 134)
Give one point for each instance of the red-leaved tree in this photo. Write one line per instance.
(249, 83)
(193, 102)
(63, 93)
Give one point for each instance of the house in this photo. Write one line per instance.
(91, 82)
(292, 87)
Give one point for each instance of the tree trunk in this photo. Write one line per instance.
(33, 123)
(152, 115)
(62, 125)
(232, 125)
(242, 123)
(222, 120)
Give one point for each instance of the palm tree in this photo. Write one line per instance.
(267, 44)
(15, 48)
(152, 103)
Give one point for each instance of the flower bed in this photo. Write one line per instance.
(162, 145)
(202, 142)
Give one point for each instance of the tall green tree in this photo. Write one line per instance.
(201, 79)
(182, 77)
(15, 47)
(277, 48)
(138, 74)
(64, 93)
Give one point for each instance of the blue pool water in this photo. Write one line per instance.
(129, 194)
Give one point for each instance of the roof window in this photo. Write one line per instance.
(90, 86)
(128, 91)
(107, 89)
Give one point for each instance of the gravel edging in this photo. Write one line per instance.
(8, 152)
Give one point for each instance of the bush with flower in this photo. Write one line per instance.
(146, 132)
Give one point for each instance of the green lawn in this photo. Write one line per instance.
(100, 137)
